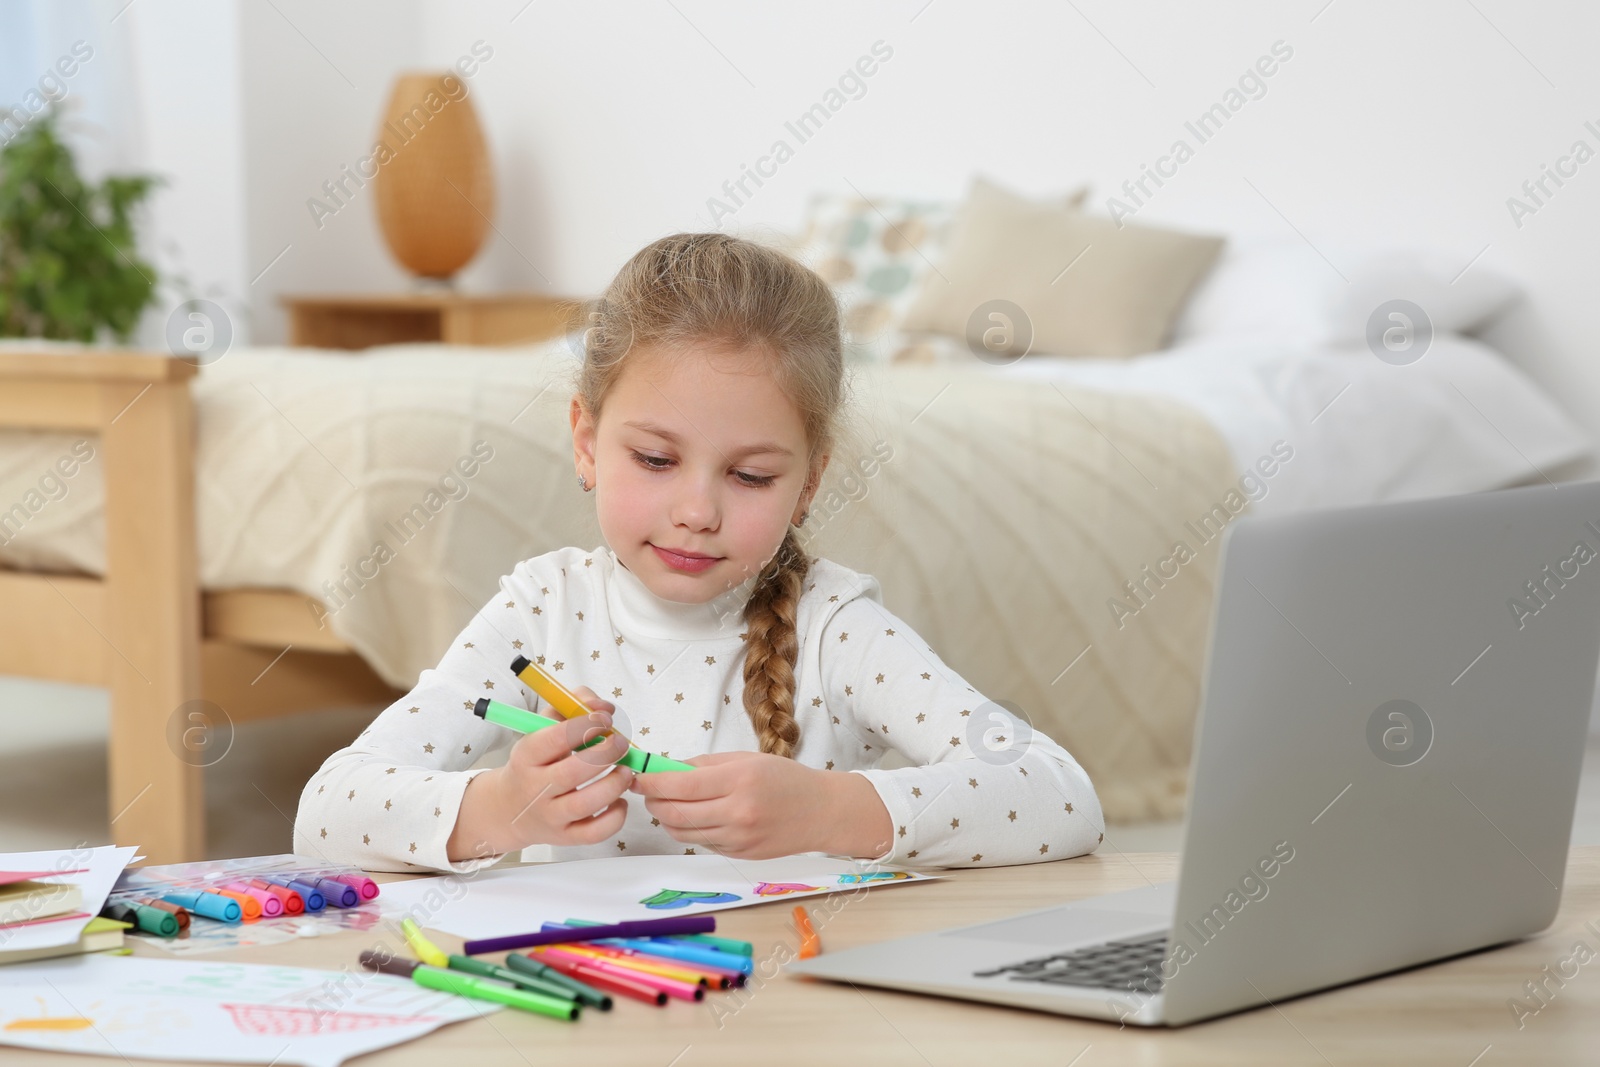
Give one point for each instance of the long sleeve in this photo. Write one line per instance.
(389, 800)
(982, 791)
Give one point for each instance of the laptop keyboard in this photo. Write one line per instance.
(1133, 965)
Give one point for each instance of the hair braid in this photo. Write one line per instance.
(771, 649)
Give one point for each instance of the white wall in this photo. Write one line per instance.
(612, 124)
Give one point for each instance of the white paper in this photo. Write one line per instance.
(515, 900)
(129, 1007)
(104, 864)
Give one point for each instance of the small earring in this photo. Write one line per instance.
(583, 482)
(804, 515)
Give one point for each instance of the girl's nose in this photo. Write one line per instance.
(697, 506)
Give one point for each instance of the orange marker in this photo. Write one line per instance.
(249, 906)
(810, 944)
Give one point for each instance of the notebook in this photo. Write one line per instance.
(23, 900)
(99, 935)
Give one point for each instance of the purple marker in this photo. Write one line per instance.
(338, 894)
(678, 924)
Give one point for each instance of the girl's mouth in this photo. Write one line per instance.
(687, 564)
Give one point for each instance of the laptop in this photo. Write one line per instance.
(1392, 724)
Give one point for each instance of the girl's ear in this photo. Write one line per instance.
(813, 480)
(583, 440)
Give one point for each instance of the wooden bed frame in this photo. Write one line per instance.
(145, 631)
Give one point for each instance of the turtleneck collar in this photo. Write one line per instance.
(634, 608)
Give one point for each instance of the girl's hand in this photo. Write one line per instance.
(748, 805)
(539, 796)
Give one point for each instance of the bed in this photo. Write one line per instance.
(288, 529)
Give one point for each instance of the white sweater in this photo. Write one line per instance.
(865, 684)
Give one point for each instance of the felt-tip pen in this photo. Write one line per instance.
(527, 722)
(465, 985)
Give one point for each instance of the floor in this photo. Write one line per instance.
(53, 777)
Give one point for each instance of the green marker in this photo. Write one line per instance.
(522, 981)
(527, 722)
(143, 917)
(463, 985)
(530, 967)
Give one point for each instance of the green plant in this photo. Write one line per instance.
(68, 262)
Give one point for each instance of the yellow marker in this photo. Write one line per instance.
(426, 950)
(563, 700)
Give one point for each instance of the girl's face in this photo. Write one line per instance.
(699, 466)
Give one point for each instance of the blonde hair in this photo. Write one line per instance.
(710, 288)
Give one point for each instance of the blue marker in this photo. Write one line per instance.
(211, 905)
(313, 899)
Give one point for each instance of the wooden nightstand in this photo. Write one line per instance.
(364, 320)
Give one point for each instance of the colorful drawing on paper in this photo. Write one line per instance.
(668, 899)
(778, 889)
(49, 1022)
(873, 876)
(280, 1021)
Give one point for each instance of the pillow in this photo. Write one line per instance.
(1282, 288)
(1083, 285)
(875, 254)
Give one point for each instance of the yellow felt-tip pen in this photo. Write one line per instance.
(426, 950)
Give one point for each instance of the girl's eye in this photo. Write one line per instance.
(649, 462)
(661, 463)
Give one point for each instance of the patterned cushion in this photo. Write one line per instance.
(876, 253)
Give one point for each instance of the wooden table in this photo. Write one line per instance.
(364, 320)
(1453, 1013)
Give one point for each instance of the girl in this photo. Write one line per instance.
(703, 420)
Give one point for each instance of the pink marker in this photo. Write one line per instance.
(361, 884)
(271, 906)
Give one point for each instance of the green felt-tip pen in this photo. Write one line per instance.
(527, 722)
(465, 985)
(505, 974)
(585, 993)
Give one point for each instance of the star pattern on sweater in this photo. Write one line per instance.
(885, 700)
